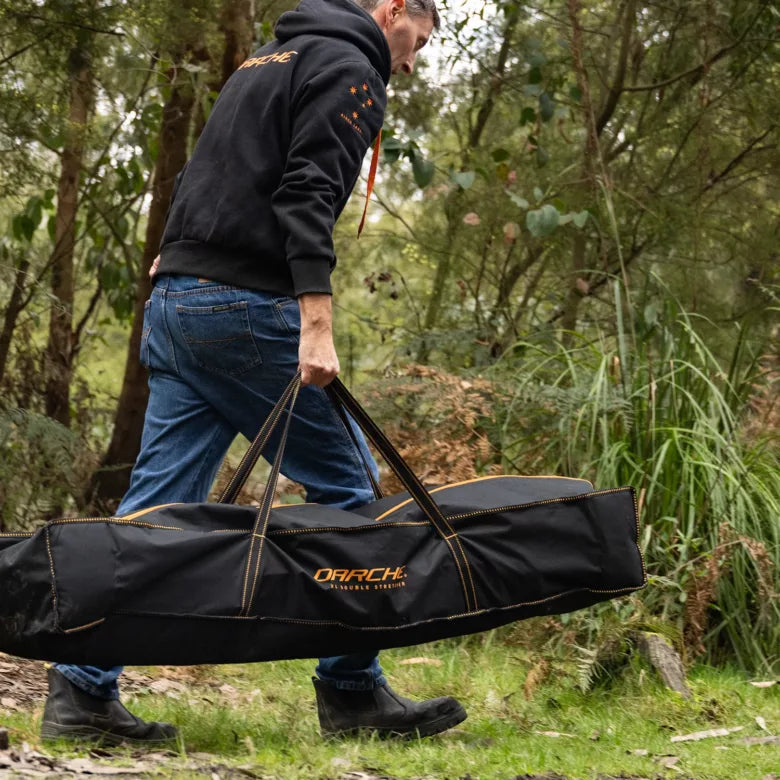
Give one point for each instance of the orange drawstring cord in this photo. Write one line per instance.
(371, 178)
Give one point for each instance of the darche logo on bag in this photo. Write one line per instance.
(363, 579)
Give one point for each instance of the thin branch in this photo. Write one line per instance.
(60, 23)
(19, 52)
(396, 215)
(702, 67)
(738, 159)
(613, 96)
(93, 302)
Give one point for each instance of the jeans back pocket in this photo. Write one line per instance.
(219, 337)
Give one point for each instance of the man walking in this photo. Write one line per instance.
(242, 299)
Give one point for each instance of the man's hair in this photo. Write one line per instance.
(413, 8)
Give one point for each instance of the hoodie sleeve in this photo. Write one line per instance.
(335, 117)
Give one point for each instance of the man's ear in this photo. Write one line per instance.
(397, 8)
(388, 13)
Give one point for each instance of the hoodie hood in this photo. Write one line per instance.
(342, 19)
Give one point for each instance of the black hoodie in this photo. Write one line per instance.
(281, 151)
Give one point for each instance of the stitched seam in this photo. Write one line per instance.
(346, 530)
(460, 573)
(248, 563)
(53, 589)
(274, 475)
(262, 545)
(468, 571)
(301, 621)
(636, 520)
(114, 521)
(321, 530)
(479, 479)
(257, 572)
(581, 497)
(201, 291)
(454, 555)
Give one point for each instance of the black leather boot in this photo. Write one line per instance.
(382, 711)
(73, 714)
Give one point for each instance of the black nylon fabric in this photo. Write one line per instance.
(192, 583)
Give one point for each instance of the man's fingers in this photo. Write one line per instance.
(320, 376)
(153, 269)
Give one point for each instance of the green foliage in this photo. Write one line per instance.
(39, 461)
(665, 417)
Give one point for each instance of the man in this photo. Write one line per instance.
(242, 298)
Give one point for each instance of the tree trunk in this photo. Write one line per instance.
(237, 26)
(111, 481)
(237, 23)
(12, 312)
(59, 351)
(575, 294)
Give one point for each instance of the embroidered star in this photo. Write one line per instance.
(353, 90)
(354, 114)
(365, 86)
(369, 102)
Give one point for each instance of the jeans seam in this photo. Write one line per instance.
(167, 328)
(198, 476)
(203, 291)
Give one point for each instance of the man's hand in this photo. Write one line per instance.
(153, 269)
(317, 357)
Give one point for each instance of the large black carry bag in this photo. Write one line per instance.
(221, 583)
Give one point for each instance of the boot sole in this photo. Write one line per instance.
(418, 732)
(51, 732)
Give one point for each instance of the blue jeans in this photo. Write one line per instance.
(219, 357)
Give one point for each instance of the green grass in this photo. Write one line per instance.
(669, 417)
(270, 724)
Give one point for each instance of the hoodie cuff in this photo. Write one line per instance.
(310, 276)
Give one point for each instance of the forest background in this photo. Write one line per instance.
(570, 267)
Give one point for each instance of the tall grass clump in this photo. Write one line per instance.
(656, 409)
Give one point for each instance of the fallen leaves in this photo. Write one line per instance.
(770, 740)
(22, 683)
(709, 734)
(26, 762)
(170, 688)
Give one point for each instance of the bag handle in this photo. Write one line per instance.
(342, 397)
(342, 413)
(344, 401)
(266, 503)
(252, 455)
(233, 489)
